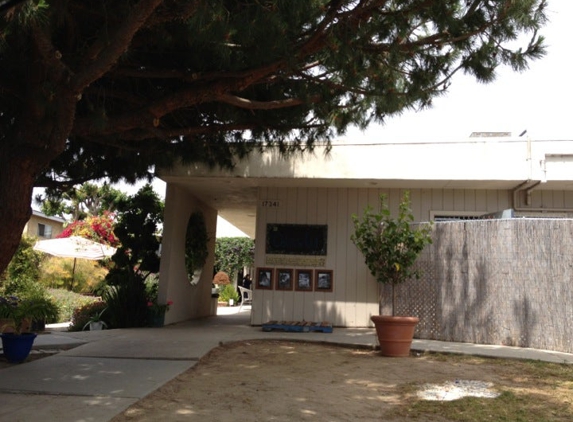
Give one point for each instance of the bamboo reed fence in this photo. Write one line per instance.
(502, 282)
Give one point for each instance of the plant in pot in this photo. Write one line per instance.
(96, 323)
(156, 312)
(17, 315)
(220, 280)
(229, 295)
(390, 247)
(42, 310)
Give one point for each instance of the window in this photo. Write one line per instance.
(44, 230)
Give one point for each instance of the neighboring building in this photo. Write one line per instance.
(43, 227)
(318, 193)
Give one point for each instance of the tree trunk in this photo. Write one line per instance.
(35, 143)
(46, 108)
(16, 185)
(393, 299)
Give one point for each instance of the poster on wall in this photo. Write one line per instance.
(303, 280)
(324, 281)
(264, 278)
(284, 279)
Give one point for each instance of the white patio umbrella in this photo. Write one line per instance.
(75, 247)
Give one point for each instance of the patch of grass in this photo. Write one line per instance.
(531, 391)
(508, 406)
(69, 301)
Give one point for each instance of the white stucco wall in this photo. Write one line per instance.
(189, 301)
(473, 159)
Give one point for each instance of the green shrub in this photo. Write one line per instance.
(23, 268)
(127, 305)
(43, 309)
(152, 287)
(228, 292)
(83, 314)
(69, 301)
(23, 287)
(87, 276)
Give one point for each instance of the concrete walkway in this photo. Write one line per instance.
(105, 372)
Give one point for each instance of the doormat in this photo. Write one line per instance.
(298, 326)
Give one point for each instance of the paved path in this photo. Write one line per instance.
(105, 372)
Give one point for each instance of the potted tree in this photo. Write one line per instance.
(390, 247)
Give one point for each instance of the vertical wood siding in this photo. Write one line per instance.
(355, 295)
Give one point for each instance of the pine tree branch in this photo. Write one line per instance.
(179, 100)
(49, 55)
(102, 56)
(207, 92)
(265, 105)
(167, 135)
(173, 13)
(9, 4)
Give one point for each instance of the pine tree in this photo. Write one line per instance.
(111, 88)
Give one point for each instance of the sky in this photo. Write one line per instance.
(535, 100)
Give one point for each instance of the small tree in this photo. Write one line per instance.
(80, 201)
(390, 245)
(136, 258)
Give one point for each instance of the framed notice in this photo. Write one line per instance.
(284, 279)
(264, 278)
(323, 281)
(303, 280)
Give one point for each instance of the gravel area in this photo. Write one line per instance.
(454, 390)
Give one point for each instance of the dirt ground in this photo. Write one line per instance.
(283, 381)
(295, 381)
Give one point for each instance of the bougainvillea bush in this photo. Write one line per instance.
(98, 228)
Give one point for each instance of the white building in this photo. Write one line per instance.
(480, 175)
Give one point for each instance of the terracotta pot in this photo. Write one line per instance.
(395, 334)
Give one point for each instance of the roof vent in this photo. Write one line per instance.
(490, 134)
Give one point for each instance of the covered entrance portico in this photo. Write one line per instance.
(467, 178)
